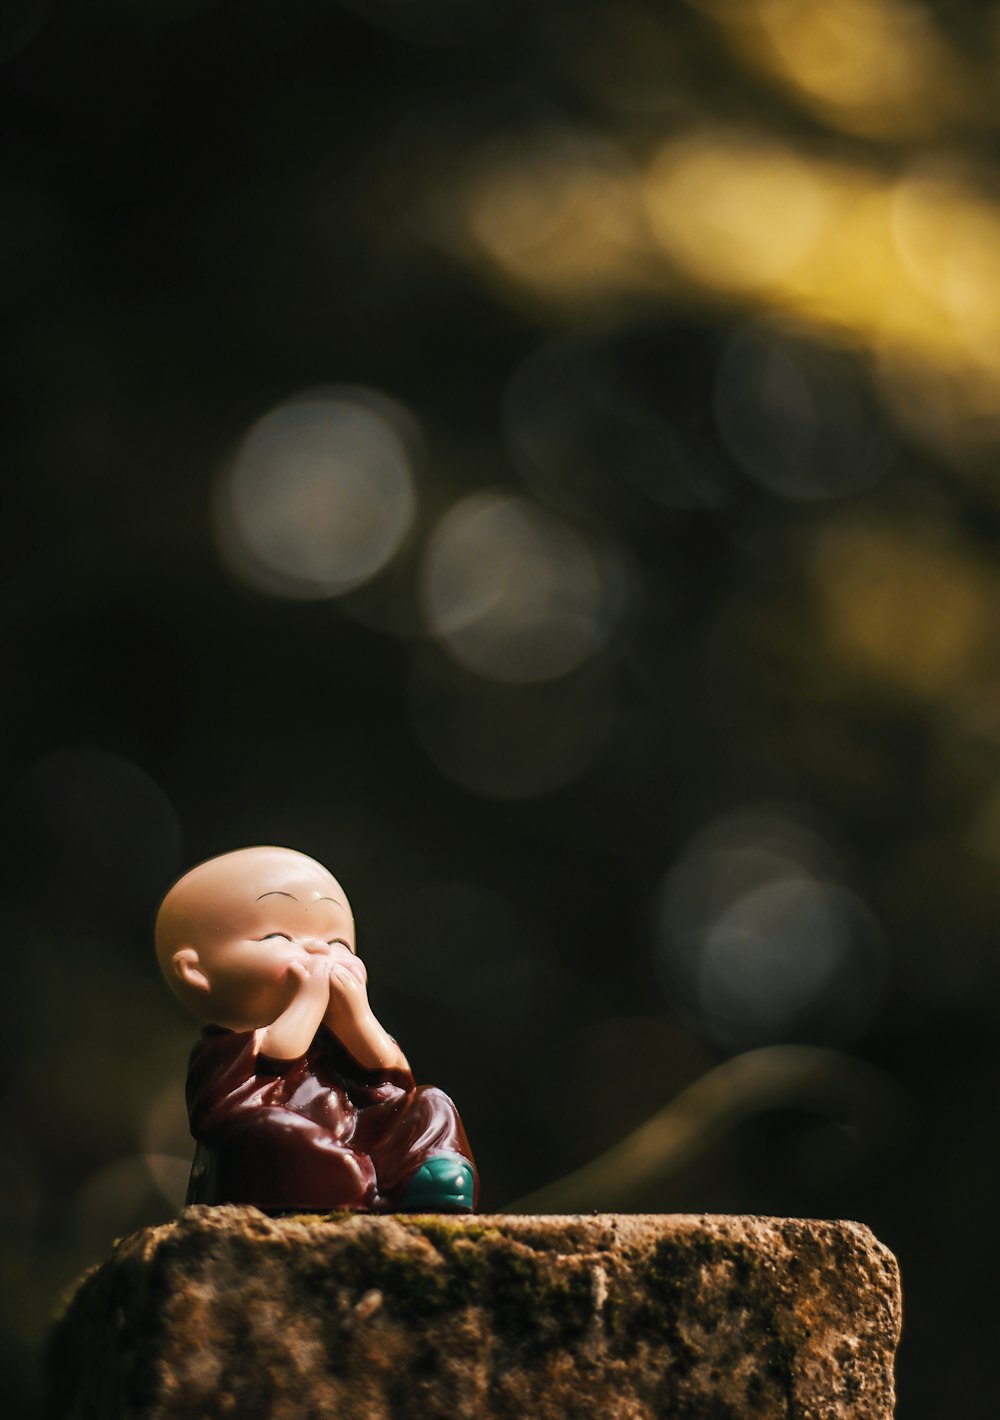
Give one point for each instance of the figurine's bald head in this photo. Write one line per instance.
(253, 896)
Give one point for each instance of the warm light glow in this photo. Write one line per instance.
(908, 269)
(873, 67)
(735, 211)
(953, 407)
(912, 609)
(835, 244)
(560, 212)
(948, 237)
(320, 495)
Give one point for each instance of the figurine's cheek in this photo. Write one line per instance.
(274, 966)
(283, 984)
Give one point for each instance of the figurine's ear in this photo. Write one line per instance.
(187, 968)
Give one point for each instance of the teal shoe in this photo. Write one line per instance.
(446, 1183)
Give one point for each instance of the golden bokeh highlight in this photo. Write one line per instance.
(736, 212)
(876, 68)
(948, 236)
(907, 606)
(561, 214)
(905, 265)
(950, 406)
(818, 238)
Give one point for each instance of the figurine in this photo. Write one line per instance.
(297, 1098)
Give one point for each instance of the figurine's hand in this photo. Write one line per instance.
(289, 1036)
(348, 992)
(349, 1015)
(342, 957)
(312, 976)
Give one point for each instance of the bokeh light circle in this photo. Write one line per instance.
(757, 938)
(771, 952)
(734, 211)
(514, 593)
(320, 495)
(799, 418)
(556, 210)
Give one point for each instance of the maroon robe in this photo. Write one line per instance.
(313, 1134)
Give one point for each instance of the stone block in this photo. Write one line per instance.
(229, 1313)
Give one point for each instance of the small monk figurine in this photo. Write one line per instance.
(298, 1099)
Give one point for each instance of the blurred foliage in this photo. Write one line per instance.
(540, 460)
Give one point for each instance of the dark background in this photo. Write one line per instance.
(608, 596)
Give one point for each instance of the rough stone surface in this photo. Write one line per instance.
(228, 1313)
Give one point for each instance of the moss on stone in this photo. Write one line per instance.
(422, 1317)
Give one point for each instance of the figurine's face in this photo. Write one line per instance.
(229, 931)
(247, 961)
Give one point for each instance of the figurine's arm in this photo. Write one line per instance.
(353, 1022)
(292, 1033)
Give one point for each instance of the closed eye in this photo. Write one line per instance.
(339, 942)
(272, 935)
